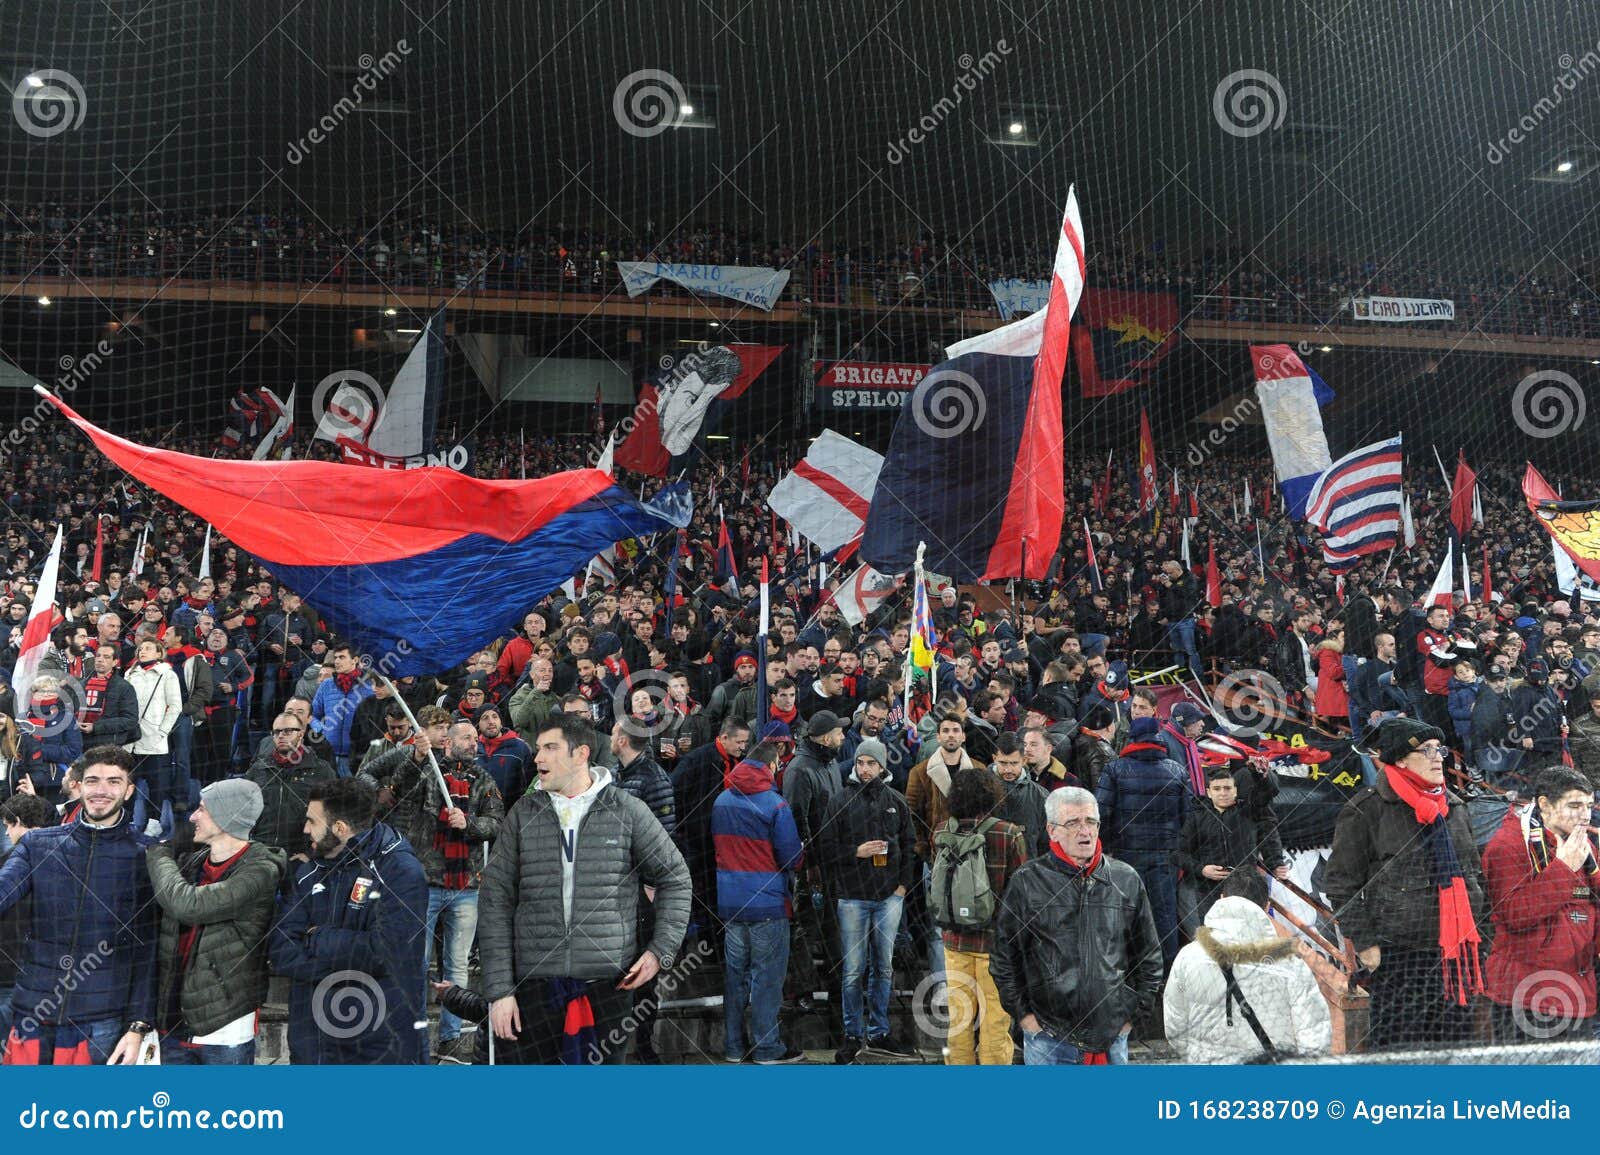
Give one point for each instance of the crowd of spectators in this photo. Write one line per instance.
(1224, 284)
(863, 833)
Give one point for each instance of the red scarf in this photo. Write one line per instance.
(1079, 869)
(787, 717)
(453, 843)
(1458, 932)
(347, 682)
(94, 698)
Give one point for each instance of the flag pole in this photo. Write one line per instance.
(761, 653)
(438, 774)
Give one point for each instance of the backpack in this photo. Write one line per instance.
(962, 898)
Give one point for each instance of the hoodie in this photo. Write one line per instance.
(1203, 1021)
(756, 843)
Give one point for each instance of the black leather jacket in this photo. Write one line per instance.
(1080, 954)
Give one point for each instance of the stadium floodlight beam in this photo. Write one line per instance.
(391, 312)
(45, 301)
(1015, 128)
(1327, 348)
(686, 109)
(1565, 166)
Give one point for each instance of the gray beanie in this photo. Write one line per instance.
(234, 805)
(874, 749)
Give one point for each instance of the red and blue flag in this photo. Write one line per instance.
(415, 568)
(975, 466)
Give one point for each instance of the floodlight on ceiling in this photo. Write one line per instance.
(35, 81)
(391, 312)
(1016, 128)
(1566, 166)
(1569, 166)
(45, 302)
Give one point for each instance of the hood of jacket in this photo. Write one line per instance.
(748, 778)
(1237, 931)
(1146, 752)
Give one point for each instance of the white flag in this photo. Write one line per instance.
(205, 556)
(827, 494)
(36, 634)
(862, 593)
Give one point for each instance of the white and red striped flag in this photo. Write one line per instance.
(827, 494)
(36, 634)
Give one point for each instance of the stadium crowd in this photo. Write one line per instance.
(207, 791)
(1236, 284)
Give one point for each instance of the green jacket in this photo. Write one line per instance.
(226, 977)
(530, 708)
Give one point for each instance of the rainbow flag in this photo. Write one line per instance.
(923, 636)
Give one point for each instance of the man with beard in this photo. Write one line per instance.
(93, 915)
(504, 754)
(696, 781)
(285, 777)
(354, 917)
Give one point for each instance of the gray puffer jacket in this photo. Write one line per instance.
(620, 846)
(226, 978)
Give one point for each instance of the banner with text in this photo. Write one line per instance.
(753, 286)
(1015, 297)
(1402, 309)
(866, 384)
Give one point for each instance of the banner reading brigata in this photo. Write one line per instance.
(1402, 309)
(866, 384)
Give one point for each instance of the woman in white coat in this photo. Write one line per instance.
(160, 703)
(1204, 1020)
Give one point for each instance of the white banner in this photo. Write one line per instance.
(753, 286)
(1013, 296)
(1402, 309)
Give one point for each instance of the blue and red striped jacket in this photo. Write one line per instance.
(756, 842)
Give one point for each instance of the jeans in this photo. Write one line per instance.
(757, 955)
(925, 916)
(341, 764)
(178, 1054)
(1352, 666)
(267, 679)
(460, 911)
(975, 1013)
(867, 930)
(102, 1037)
(1043, 1050)
(1161, 884)
(1180, 635)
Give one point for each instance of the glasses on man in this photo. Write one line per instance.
(288, 730)
(1432, 750)
(1078, 824)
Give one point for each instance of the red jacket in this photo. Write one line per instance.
(1435, 678)
(1543, 921)
(1333, 700)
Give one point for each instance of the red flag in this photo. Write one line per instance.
(1461, 497)
(1266, 501)
(744, 471)
(1213, 578)
(35, 641)
(1147, 465)
(1176, 495)
(1488, 586)
(99, 546)
(642, 451)
(1194, 504)
(1105, 491)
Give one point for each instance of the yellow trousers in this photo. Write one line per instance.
(980, 1029)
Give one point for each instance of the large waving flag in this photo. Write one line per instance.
(1291, 396)
(687, 398)
(828, 493)
(861, 594)
(36, 634)
(383, 430)
(975, 466)
(1121, 338)
(416, 568)
(1575, 525)
(1147, 464)
(1357, 504)
(1463, 497)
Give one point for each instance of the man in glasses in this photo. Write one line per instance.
(1076, 958)
(1542, 869)
(1405, 883)
(285, 776)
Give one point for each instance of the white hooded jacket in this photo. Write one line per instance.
(1205, 1026)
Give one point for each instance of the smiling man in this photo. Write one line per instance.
(93, 918)
(557, 926)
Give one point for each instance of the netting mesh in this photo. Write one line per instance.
(201, 202)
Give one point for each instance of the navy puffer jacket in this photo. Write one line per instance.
(1144, 797)
(90, 952)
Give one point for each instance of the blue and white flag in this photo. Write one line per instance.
(1357, 504)
(760, 287)
(1291, 396)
